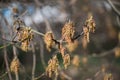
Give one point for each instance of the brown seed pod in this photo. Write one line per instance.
(52, 67)
(66, 60)
(48, 39)
(14, 66)
(68, 32)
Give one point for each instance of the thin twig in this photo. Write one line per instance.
(25, 71)
(105, 53)
(64, 74)
(37, 32)
(40, 76)
(24, 13)
(4, 46)
(7, 64)
(114, 8)
(78, 36)
(16, 76)
(42, 54)
(34, 62)
(118, 20)
(3, 75)
(15, 55)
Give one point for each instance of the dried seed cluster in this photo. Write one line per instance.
(14, 66)
(62, 50)
(66, 57)
(25, 36)
(90, 23)
(52, 67)
(66, 60)
(87, 28)
(86, 34)
(53, 63)
(48, 39)
(68, 32)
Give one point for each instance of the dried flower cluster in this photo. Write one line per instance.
(66, 57)
(52, 67)
(25, 36)
(68, 32)
(86, 33)
(48, 39)
(87, 28)
(14, 66)
(62, 50)
(76, 61)
(90, 23)
(53, 63)
(66, 60)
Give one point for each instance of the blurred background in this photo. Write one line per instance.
(101, 57)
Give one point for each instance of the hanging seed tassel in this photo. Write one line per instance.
(68, 32)
(66, 60)
(25, 36)
(52, 67)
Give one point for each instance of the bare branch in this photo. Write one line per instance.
(7, 64)
(34, 62)
(114, 8)
(3, 75)
(64, 74)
